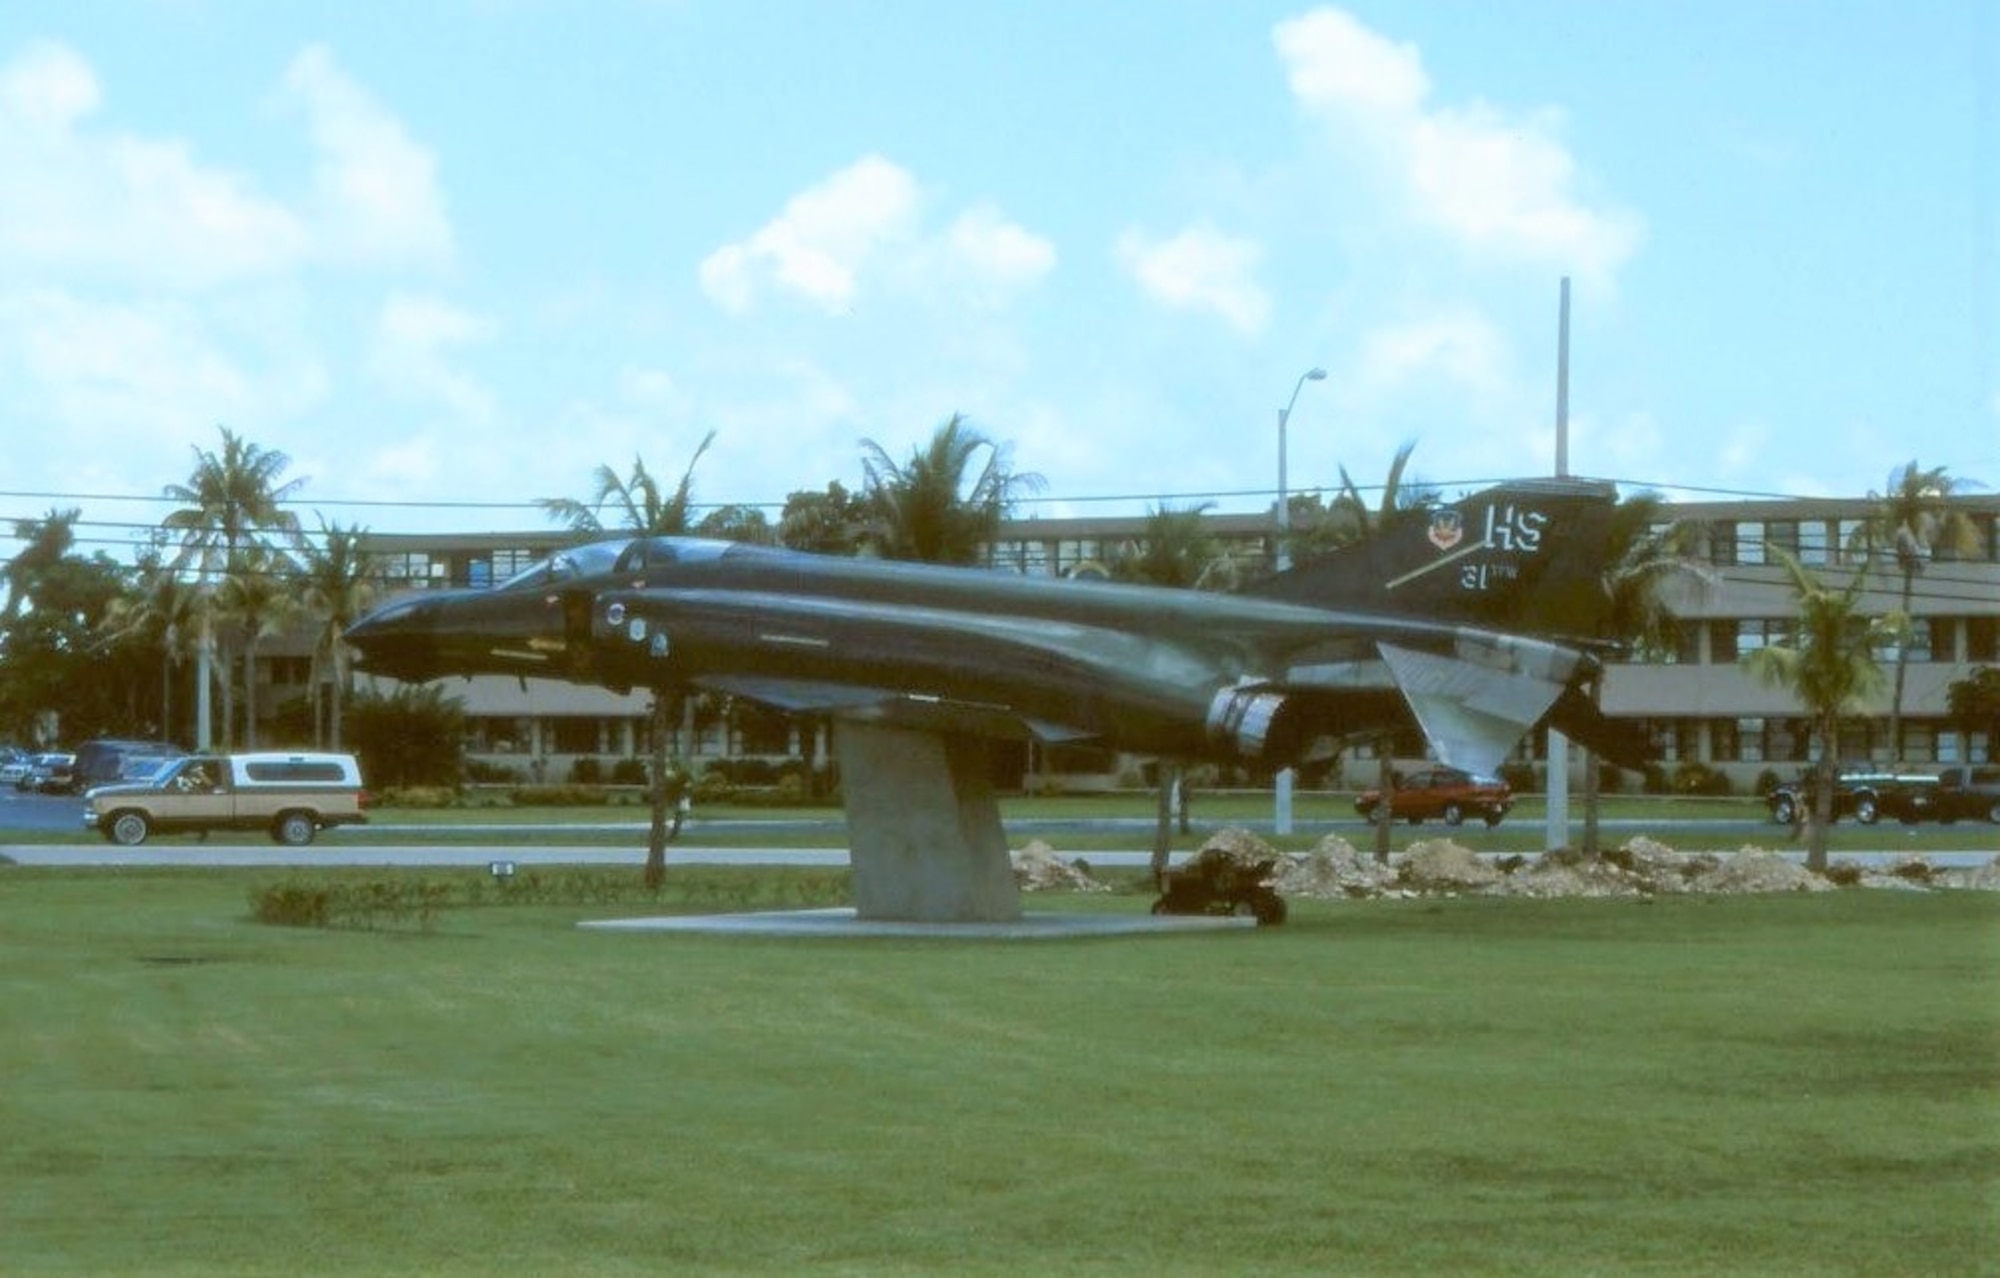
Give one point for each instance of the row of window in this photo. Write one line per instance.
(1930, 639)
(1789, 741)
(1820, 542)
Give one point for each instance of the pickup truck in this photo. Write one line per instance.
(1968, 793)
(1864, 795)
(293, 795)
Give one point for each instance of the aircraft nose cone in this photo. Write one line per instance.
(396, 641)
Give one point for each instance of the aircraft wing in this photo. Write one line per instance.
(890, 706)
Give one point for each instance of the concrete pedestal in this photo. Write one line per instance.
(923, 827)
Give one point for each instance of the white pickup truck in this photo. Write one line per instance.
(294, 795)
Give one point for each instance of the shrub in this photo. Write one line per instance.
(629, 772)
(1767, 781)
(413, 796)
(1700, 779)
(713, 786)
(480, 772)
(559, 796)
(586, 771)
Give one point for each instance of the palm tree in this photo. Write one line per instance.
(1651, 559)
(637, 499)
(229, 502)
(1348, 519)
(1913, 519)
(1829, 666)
(643, 508)
(933, 508)
(49, 541)
(257, 599)
(338, 578)
(161, 610)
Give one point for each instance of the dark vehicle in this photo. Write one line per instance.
(1217, 883)
(1864, 795)
(1967, 794)
(108, 760)
(50, 773)
(1444, 794)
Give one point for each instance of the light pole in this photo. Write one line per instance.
(1281, 821)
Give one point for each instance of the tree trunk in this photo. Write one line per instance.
(1385, 785)
(1902, 667)
(1822, 803)
(1163, 823)
(665, 709)
(1592, 782)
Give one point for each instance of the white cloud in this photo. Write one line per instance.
(1494, 182)
(379, 199)
(1200, 269)
(864, 225)
(822, 240)
(80, 197)
(411, 352)
(994, 257)
(1460, 346)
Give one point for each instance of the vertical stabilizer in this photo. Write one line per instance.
(1527, 557)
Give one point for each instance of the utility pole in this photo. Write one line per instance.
(1557, 834)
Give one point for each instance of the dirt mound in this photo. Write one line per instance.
(1333, 869)
(1038, 869)
(1439, 865)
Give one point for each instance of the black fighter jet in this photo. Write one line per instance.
(1479, 619)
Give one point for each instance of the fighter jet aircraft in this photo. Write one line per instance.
(1404, 624)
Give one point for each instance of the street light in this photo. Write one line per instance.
(1281, 816)
(1284, 498)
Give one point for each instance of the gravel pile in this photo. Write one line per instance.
(1439, 867)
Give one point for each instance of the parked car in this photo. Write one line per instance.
(1864, 794)
(1446, 794)
(292, 795)
(107, 759)
(49, 773)
(14, 765)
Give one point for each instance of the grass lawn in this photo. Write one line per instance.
(1777, 1085)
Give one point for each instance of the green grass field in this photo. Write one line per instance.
(1786, 1085)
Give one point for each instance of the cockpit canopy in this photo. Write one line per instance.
(631, 556)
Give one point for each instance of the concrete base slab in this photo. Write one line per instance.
(846, 922)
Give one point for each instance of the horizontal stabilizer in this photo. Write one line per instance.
(1474, 711)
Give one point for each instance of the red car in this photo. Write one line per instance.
(1446, 794)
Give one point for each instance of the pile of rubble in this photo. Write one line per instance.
(1038, 869)
(1439, 867)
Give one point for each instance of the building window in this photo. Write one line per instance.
(1812, 548)
(1723, 745)
(1760, 633)
(1920, 743)
(576, 735)
(1982, 639)
(1783, 534)
(1748, 541)
(1750, 740)
(1852, 548)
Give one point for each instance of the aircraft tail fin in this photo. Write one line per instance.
(1525, 557)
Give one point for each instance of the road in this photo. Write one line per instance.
(29, 813)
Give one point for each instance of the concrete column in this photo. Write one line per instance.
(923, 827)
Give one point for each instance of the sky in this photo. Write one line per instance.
(452, 256)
